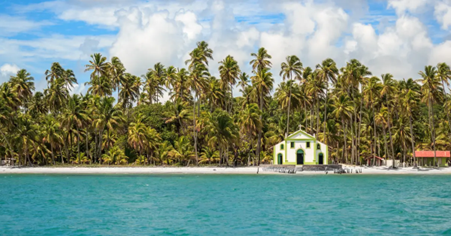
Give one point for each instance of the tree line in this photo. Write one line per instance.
(357, 114)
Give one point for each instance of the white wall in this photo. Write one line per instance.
(309, 153)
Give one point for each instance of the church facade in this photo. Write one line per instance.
(300, 148)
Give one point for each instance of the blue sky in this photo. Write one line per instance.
(394, 36)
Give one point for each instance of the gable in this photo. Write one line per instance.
(300, 135)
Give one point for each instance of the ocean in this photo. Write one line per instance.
(225, 205)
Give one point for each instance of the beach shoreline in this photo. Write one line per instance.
(212, 170)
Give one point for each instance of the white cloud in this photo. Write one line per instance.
(442, 12)
(7, 70)
(166, 31)
(401, 6)
(11, 25)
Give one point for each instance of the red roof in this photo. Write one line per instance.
(380, 158)
(431, 153)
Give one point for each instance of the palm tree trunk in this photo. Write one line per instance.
(360, 124)
(288, 112)
(87, 145)
(195, 131)
(385, 141)
(53, 153)
(391, 139)
(9, 145)
(259, 141)
(374, 131)
(325, 118)
(433, 130)
(317, 118)
(78, 144)
(412, 137)
(344, 141)
(352, 140)
(95, 156)
(67, 148)
(100, 146)
(311, 120)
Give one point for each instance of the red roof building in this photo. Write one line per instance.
(445, 154)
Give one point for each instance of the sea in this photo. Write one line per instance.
(225, 205)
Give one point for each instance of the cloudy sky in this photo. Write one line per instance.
(394, 36)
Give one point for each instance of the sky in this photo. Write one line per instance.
(394, 36)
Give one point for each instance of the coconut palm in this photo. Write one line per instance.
(109, 117)
(52, 134)
(432, 92)
(182, 150)
(261, 60)
(116, 71)
(75, 116)
(22, 84)
(229, 72)
(100, 86)
(98, 66)
(263, 84)
(250, 122)
(342, 110)
(387, 92)
(292, 67)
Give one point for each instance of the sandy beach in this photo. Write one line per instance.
(210, 170)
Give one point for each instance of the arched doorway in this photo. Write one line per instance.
(279, 159)
(321, 159)
(300, 157)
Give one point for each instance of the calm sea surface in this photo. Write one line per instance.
(224, 205)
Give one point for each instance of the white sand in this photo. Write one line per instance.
(204, 170)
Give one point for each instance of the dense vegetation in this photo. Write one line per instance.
(357, 114)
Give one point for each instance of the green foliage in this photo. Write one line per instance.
(186, 116)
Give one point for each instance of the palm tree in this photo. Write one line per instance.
(229, 72)
(75, 116)
(162, 152)
(209, 154)
(327, 71)
(98, 65)
(409, 99)
(25, 132)
(342, 110)
(130, 90)
(6, 122)
(136, 135)
(52, 134)
(221, 131)
(261, 60)
(182, 150)
(56, 96)
(292, 67)
(263, 83)
(116, 71)
(444, 73)
(371, 94)
(214, 94)
(100, 86)
(154, 80)
(56, 72)
(198, 83)
(250, 122)
(388, 90)
(22, 84)
(109, 118)
(432, 92)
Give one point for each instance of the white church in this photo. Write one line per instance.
(300, 148)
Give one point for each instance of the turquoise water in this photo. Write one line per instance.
(224, 205)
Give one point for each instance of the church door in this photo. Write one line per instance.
(279, 159)
(300, 157)
(321, 159)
